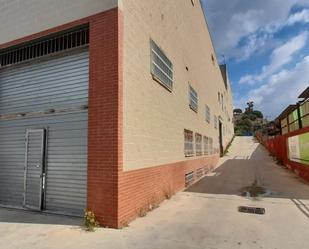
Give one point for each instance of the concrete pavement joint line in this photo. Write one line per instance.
(239, 198)
(301, 208)
(302, 204)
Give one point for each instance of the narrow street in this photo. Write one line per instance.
(205, 216)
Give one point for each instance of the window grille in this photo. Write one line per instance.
(161, 66)
(215, 122)
(193, 99)
(198, 144)
(222, 102)
(189, 146)
(207, 114)
(189, 178)
(199, 173)
(45, 46)
(206, 170)
(206, 146)
(210, 146)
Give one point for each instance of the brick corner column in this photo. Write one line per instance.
(105, 116)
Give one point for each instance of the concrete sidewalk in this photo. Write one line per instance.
(205, 216)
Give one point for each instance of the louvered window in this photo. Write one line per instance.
(207, 114)
(189, 143)
(193, 99)
(215, 122)
(161, 66)
(211, 146)
(63, 41)
(206, 145)
(198, 144)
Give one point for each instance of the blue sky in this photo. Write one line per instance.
(266, 46)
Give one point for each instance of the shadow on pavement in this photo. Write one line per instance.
(23, 216)
(258, 170)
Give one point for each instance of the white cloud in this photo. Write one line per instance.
(253, 43)
(242, 28)
(281, 89)
(280, 57)
(247, 79)
(298, 17)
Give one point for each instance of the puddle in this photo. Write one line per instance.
(268, 193)
(254, 191)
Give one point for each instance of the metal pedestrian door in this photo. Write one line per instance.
(34, 168)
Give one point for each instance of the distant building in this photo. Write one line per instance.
(295, 116)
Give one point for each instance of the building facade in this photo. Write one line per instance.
(107, 105)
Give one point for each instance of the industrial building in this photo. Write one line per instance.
(107, 105)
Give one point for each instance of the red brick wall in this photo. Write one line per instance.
(139, 188)
(278, 146)
(105, 116)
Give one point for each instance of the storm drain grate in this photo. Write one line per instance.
(251, 210)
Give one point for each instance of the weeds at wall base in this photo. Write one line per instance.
(90, 221)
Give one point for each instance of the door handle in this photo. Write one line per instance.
(38, 166)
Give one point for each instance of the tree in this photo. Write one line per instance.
(252, 117)
(247, 122)
(238, 111)
(243, 126)
(258, 114)
(250, 105)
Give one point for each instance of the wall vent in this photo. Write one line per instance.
(206, 170)
(63, 41)
(189, 178)
(199, 173)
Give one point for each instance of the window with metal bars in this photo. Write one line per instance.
(198, 144)
(161, 66)
(189, 143)
(193, 99)
(211, 146)
(207, 114)
(206, 146)
(215, 122)
(189, 178)
(63, 41)
(199, 173)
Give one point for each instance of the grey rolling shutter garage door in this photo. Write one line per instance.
(49, 94)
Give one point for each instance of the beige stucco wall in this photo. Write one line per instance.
(154, 118)
(19, 18)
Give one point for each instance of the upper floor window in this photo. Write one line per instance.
(193, 99)
(222, 102)
(189, 143)
(215, 122)
(207, 114)
(161, 66)
(198, 144)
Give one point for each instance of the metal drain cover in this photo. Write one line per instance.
(251, 210)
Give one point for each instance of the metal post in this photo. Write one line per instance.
(300, 123)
